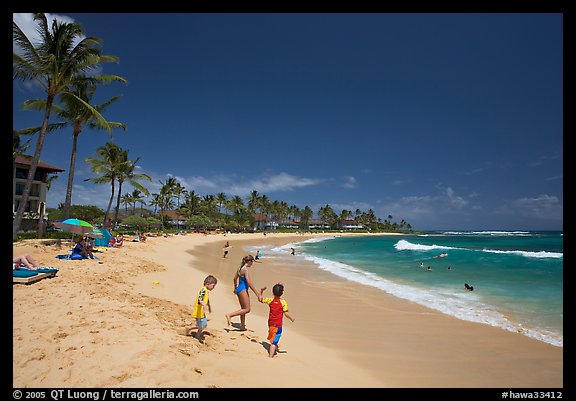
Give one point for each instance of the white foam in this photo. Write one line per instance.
(404, 245)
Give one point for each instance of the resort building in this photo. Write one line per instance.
(36, 205)
(173, 218)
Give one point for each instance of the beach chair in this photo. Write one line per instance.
(26, 276)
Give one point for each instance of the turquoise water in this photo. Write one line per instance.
(517, 276)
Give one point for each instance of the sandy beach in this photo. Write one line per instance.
(118, 322)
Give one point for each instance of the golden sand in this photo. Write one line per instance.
(120, 324)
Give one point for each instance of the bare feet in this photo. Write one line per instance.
(228, 320)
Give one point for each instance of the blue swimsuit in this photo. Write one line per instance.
(243, 284)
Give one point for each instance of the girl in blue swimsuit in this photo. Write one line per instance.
(242, 284)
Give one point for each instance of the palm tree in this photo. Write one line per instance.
(137, 198)
(107, 165)
(59, 58)
(306, 215)
(77, 115)
(236, 205)
(126, 173)
(126, 200)
(221, 199)
(156, 201)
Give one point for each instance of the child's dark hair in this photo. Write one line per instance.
(210, 280)
(278, 290)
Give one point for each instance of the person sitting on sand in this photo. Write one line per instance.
(119, 241)
(81, 249)
(25, 261)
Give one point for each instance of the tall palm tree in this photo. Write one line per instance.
(156, 201)
(306, 215)
(107, 165)
(126, 200)
(76, 114)
(221, 199)
(126, 173)
(137, 198)
(55, 62)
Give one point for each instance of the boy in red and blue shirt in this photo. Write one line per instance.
(278, 308)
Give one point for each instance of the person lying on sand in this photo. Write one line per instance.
(24, 261)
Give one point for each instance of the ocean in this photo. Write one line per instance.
(517, 276)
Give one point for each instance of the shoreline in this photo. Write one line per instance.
(349, 273)
(359, 336)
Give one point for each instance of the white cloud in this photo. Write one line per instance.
(350, 182)
(455, 200)
(28, 25)
(281, 182)
(540, 207)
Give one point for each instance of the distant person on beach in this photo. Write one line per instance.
(257, 257)
(226, 248)
(24, 261)
(242, 283)
(278, 309)
(468, 287)
(200, 304)
(292, 251)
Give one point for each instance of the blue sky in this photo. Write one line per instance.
(448, 121)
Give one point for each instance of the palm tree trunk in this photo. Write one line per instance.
(33, 165)
(117, 210)
(109, 206)
(42, 207)
(68, 201)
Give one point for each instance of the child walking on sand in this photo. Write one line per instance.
(202, 302)
(278, 309)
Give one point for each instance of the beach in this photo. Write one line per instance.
(119, 322)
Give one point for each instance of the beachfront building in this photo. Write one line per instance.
(36, 205)
(316, 224)
(350, 223)
(175, 219)
(263, 222)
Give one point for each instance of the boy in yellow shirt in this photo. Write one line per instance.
(202, 302)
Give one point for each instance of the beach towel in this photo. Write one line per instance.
(28, 276)
(74, 256)
(23, 273)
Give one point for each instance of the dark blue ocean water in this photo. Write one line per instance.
(517, 276)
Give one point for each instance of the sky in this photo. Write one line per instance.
(448, 121)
